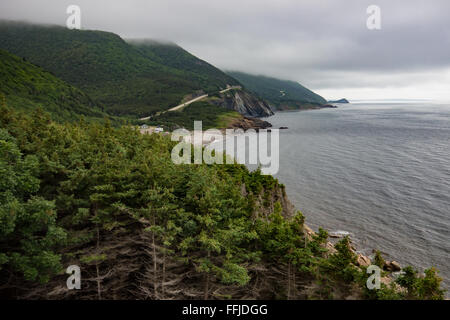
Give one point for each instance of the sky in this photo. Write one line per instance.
(325, 45)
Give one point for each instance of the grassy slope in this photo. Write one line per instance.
(128, 80)
(270, 89)
(210, 115)
(26, 87)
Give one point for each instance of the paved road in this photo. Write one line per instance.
(181, 106)
(187, 103)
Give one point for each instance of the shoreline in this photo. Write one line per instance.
(391, 267)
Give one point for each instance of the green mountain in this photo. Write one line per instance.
(26, 87)
(208, 77)
(282, 94)
(135, 79)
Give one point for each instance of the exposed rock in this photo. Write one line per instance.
(396, 266)
(331, 248)
(246, 123)
(386, 280)
(392, 266)
(338, 234)
(265, 203)
(363, 261)
(308, 230)
(243, 102)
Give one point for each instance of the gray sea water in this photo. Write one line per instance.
(380, 172)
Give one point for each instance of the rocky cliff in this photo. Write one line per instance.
(246, 123)
(242, 102)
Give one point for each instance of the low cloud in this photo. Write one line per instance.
(324, 45)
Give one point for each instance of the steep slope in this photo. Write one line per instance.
(127, 79)
(26, 87)
(282, 94)
(243, 102)
(171, 55)
(212, 116)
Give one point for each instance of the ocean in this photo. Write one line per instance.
(378, 171)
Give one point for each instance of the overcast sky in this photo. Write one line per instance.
(325, 45)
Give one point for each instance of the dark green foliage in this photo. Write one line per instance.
(318, 242)
(27, 87)
(278, 92)
(126, 79)
(28, 230)
(92, 174)
(342, 263)
(64, 187)
(211, 116)
(378, 259)
(285, 241)
(410, 285)
(386, 292)
(208, 77)
(421, 287)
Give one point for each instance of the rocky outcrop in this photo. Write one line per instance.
(392, 266)
(363, 261)
(265, 202)
(242, 102)
(339, 101)
(246, 123)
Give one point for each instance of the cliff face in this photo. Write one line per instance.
(243, 102)
(266, 199)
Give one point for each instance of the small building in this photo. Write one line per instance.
(144, 126)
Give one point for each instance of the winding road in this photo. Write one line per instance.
(185, 104)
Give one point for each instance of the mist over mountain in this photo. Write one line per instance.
(111, 200)
(282, 94)
(136, 78)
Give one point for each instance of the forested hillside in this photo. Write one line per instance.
(282, 94)
(26, 87)
(169, 54)
(210, 115)
(126, 79)
(111, 201)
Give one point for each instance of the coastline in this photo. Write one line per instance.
(348, 201)
(363, 258)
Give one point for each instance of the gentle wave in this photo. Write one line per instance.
(379, 171)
